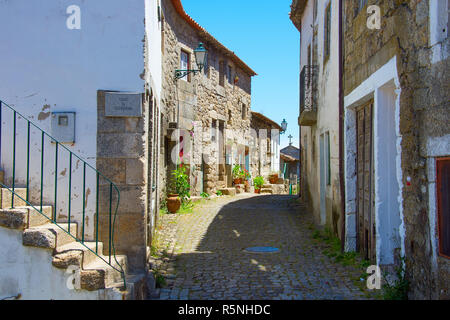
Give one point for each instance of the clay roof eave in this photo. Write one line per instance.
(180, 10)
(265, 119)
(288, 158)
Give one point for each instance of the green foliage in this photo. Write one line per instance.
(219, 193)
(154, 251)
(258, 182)
(159, 279)
(204, 195)
(181, 183)
(333, 249)
(186, 207)
(238, 172)
(397, 289)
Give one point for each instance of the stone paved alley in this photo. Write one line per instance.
(201, 255)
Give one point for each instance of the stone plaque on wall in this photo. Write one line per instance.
(119, 104)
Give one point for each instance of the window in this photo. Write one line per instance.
(328, 158)
(244, 111)
(185, 64)
(443, 199)
(213, 130)
(230, 74)
(327, 33)
(222, 73)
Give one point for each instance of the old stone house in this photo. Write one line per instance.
(394, 119)
(266, 155)
(290, 164)
(396, 88)
(318, 23)
(205, 114)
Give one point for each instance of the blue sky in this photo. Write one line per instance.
(261, 34)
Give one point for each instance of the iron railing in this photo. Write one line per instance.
(308, 83)
(113, 189)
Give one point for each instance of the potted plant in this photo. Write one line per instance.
(273, 177)
(173, 202)
(258, 182)
(247, 177)
(181, 187)
(237, 174)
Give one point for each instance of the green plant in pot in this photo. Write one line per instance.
(247, 178)
(258, 182)
(238, 174)
(180, 190)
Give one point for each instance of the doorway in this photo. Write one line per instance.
(365, 213)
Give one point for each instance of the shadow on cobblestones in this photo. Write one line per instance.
(209, 261)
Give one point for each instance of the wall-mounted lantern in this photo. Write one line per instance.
(201, 55)
(284, 125)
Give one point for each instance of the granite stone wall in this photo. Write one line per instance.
(201, 101)
(424, 115)
(121, 156)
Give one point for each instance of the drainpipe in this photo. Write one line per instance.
(341, 121)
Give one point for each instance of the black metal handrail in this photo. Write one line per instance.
(112, 187)
(308, 83)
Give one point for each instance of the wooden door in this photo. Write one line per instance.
(365, 183)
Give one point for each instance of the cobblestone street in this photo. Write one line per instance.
(202, 254)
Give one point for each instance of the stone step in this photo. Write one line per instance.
(49, 236)
(76, 254)
(267, 186)
(99, 275)
(24, 217)
(6, 198)
(228, 191)
(267, 190)
(240, 188)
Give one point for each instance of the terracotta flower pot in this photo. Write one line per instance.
(258, 191)
(247, 186)
(273, 179)
(237, 181)
(173, 203)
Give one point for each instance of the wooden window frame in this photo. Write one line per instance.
(230, 74)
(439, 205)
(222, 73)
(188, 76)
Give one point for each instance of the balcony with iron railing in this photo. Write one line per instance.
(308, 99)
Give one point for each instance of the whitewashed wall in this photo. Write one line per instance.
(29, 272)
(327, 103)
(48, 68)
(153, 31)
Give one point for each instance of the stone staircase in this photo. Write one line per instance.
(40, 233)
(274, 189)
